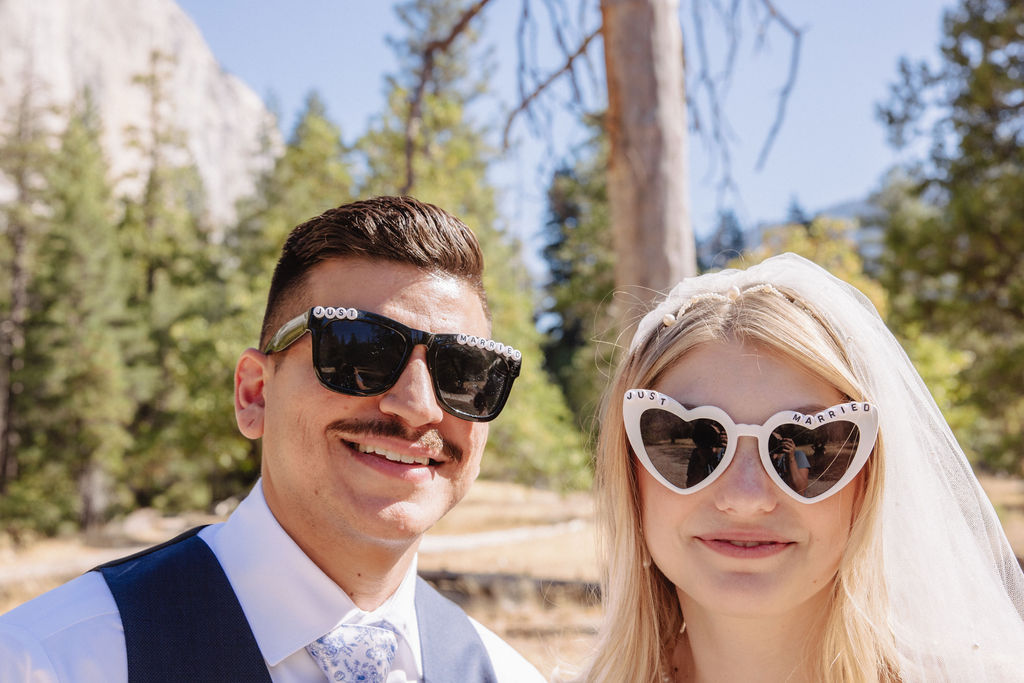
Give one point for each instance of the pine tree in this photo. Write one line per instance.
(955, 268)
(180, 294)
(581, 343)
(726, 243)
(795, 213)
(74, 409)
(312, 175)
(24, 151)
(534, 441)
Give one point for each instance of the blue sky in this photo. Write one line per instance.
(830, 149)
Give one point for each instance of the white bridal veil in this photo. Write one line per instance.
(955, 589)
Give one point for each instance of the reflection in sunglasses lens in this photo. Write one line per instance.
(684, 452)
(360, 356)
(470, 379)
(826, 452)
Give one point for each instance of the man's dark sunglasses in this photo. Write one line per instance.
(363, 354)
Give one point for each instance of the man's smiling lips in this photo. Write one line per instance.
(392, 441)
(393, 456)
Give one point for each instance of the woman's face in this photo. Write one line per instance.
(741, 546)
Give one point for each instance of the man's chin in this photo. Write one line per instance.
(404, 522)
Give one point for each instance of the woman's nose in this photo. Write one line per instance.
(745, 488)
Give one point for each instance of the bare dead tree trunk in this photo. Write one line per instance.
(648, 177)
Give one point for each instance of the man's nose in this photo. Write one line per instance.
(412, 398)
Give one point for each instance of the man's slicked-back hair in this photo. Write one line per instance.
(394, 229)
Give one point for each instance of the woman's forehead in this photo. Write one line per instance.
(750, 382)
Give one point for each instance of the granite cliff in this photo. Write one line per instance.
(56, 49)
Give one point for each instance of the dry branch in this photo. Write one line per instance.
(546, 83)
(412, 123)
(787, 88)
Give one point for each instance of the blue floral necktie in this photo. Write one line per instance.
(356, 654)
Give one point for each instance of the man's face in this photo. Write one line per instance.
(332, 470)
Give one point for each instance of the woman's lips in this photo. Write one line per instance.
(744, 547)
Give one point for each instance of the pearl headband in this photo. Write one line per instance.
(730, 296)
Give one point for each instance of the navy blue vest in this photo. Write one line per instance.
(182, 622)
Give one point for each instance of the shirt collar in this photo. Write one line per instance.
(257, 555)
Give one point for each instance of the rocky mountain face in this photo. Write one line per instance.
(53, 50)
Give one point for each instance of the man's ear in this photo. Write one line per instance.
(251, 374)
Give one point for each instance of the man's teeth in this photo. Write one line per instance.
(393, 457)
(750, 544)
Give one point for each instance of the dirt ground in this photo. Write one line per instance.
(523, 561)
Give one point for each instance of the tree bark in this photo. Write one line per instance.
(648, 178)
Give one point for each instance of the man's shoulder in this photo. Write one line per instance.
(49, 637)
(83, 599)
(509, 665)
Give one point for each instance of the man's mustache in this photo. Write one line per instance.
(428, 438)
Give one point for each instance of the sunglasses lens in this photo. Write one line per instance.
(470, 380)
(685, 452)
(359, 357)
(826, 452)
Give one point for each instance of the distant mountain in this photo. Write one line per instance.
(55, 49)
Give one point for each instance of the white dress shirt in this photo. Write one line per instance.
(73, 633)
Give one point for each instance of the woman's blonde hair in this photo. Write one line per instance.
(642, 613)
